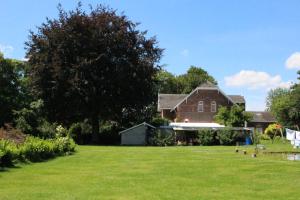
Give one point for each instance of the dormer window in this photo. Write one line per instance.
(200, 106)
(213, 106)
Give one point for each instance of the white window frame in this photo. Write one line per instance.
(200, 107)
(213, 106)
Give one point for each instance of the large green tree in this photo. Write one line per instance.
(94, 65)
(193, 78)
(13, 90)
(184, 83)
(235, 116)
(285, 104)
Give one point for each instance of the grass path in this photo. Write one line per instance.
(154, 173)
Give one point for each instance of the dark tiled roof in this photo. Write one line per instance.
(262, 116)
(237, 98)
(168, 101)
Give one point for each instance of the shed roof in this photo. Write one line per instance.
(142, 124)
(262, 116)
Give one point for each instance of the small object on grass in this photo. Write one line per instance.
(236, 150)
(245, 152)
(254, 155)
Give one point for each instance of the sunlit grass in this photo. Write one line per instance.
(156, 173)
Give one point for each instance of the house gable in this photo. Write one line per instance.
(189, 110)
(203, 87)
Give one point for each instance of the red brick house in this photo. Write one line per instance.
(201, 105)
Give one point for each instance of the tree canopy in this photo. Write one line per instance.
(12, 87)
(285, 104)
(234, 116)
(92, 65)
(182, 84)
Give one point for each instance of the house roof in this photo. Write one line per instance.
(237, 98)
(204, 86)
(171, 101)
(168, 101)
(263, 116)
(142, 124)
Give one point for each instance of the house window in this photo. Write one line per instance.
(213, 106)
(200, 106)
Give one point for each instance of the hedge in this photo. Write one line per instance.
(34, 149)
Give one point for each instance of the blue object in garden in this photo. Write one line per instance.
(248, 141)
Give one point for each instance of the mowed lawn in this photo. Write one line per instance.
(100, 172)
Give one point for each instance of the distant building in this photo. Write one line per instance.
(201, 105)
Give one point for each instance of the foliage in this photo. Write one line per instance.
(193, 78)
(159, 121)
(80, 132)
(109, 133)
(273, 94)
(13, 91)
(34, 149)
(226, 136)
(92, 65)
(29, 118)
(161, 138)
(285, 104)
(272, 131)
(207, 137)
(234, 117)
(8, 153)
(167, 82)
(256, 137)
(182, 84)
(264, 137)
(46, 130)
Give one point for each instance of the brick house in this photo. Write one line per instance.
(201, 105)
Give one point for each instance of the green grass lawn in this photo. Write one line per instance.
(98, 172)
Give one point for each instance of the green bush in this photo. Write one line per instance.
(34, 149)
(8, 153)
(80, 132)
(264, 137)
(47, 130)
(227, 136)
(207, 137)
(158, 121)
(161, 138)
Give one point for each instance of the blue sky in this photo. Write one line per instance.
(248, 46)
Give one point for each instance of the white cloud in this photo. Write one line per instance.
(256, 80)
(6, 50)
(185, 52)
(293, 62)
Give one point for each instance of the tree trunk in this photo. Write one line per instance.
(95, 129)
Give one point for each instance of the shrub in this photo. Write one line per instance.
(227, 136)
(264, 137)
(80, 132)
(207, 137)
(161, 138)
(35, 149)
(158, 121)
(8, 153)
(109, 133)
(272, 131)
(255, 137)
(47, 130)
